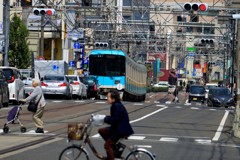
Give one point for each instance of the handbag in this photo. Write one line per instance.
(33, 106)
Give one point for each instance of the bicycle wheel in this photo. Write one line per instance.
(73, 153)
(140, 155)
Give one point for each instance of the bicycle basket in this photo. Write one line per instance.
(75, 131)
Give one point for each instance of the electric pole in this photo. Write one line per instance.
(42, 36)
(6, 31)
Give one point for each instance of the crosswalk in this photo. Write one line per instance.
(166, 138)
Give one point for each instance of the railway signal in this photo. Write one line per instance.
(196, 7)
(101, 45)
(207, 41)
(44, 11)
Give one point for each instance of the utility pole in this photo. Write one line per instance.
(233, 24)
(236, 123)
(42, 36)
(6, 31)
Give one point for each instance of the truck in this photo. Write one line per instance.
(42, 68)
(45, 67)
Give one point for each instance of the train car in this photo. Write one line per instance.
(115, 70)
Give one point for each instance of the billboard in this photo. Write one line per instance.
(151, 57)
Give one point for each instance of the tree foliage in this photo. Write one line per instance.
(19, 54)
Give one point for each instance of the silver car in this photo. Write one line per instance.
(79, 89)
(57, 85)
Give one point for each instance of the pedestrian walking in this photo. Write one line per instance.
(175, 93)
(37, 96)
(119, 124)
(188, 88)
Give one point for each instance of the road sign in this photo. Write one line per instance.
(72, 64)
(76, 34)
(1, 27)
(191, 49)
(77, 45)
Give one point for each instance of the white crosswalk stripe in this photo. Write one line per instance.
(167, 139)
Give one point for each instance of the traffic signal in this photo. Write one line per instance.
(101, 44)
(43, 11)
(195, 7)
(207, 41)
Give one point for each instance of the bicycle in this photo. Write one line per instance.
(79, 152)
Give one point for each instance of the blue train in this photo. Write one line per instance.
(115, 70)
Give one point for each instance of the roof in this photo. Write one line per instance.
(113, 52)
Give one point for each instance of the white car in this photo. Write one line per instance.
(15, 83)
(161, 84)
(209, 86)
(79, 89)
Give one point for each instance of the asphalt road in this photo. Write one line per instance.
(171, 131)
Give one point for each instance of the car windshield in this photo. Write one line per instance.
(221, 92)
(72, 78)
(87, 80)
(8, 73)
(197, 90)
(210, 86)
(54, 78)
(108, 65)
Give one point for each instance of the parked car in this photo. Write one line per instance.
(209, 86)
(79, 89)
(163, 84)
(220, 97)
(92, 86)
(28, 88)
(56, 85)
(15, 83)
(196, 93)
(4, 91)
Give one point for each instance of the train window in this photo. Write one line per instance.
(107, 65)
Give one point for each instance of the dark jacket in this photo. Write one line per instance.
(119, 120)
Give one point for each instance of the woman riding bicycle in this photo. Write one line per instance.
(119, 124)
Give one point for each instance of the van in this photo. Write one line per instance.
(15, 83)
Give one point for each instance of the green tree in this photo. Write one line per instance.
(19, 54)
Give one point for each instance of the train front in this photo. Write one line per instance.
(108, 66)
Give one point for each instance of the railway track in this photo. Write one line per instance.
(61, 131)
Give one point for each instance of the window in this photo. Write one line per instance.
(54, 78)
(194, 18)
(209, 30)
(107, 65)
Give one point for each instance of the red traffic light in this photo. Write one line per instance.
(195, 7)
(43, 11)
(203, 7)
(49, 12)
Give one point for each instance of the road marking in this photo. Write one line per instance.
(143, 146)
(220, 128)
(187, 104)
(161, 105)
(137, 104)
(212, 109)
(33, 132)
(136, 137)
(156, 102)
(79, 101)
(202, 141)
(168, 102)
(148, 115)
(96, 136)
(166, 139)
(100, 102)
(57, 101)
(195, 108)
(178, 107)
(1, 131)
(174, 136)
(147, 101)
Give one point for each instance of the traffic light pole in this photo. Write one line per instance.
(42, 36)
(6, 30)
